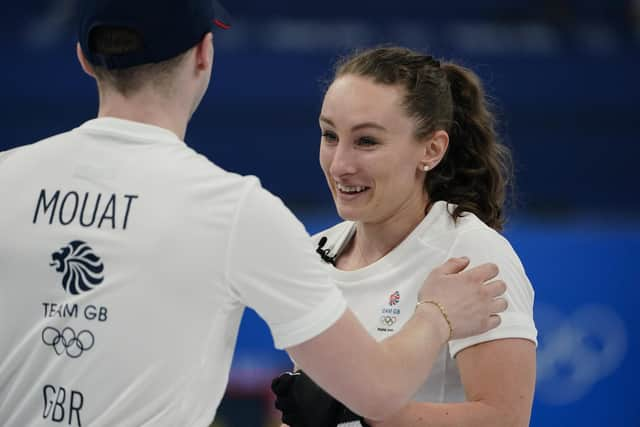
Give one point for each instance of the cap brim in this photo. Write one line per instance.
(222, 17)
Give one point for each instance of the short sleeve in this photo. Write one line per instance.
(272, 268)
(486, 245)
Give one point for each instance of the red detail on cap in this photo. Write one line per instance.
(221, 24)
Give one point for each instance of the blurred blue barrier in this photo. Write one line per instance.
(572, 117)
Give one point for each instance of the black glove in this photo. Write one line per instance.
(304, 404)
(347, 416)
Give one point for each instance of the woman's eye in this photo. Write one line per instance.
(367, 141)
(329, 136)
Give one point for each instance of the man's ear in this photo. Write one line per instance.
(204, 52)
(84, 63)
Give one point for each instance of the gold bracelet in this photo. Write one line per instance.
(443, 311)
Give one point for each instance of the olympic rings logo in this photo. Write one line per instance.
(577, 351)
(388, 320)
(67, 341)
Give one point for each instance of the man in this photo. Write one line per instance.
(133, 257)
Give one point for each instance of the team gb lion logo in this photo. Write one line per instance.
(81, 267)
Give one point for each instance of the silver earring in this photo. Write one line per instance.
(426, 168)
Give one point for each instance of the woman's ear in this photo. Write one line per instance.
(434, 150)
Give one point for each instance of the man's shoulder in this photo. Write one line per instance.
(32, 148)
(4, 155)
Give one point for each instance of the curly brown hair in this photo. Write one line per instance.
(476, 170)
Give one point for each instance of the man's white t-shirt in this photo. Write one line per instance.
(126, 261)
(383, 295)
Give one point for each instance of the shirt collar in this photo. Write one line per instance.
(132, 129)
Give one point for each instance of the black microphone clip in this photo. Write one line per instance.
(324, 253)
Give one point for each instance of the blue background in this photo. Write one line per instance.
(564, 78)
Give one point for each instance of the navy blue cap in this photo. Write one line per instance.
(167, 27)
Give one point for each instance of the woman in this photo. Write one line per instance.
(410, 154)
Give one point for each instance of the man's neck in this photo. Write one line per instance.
(146, 108)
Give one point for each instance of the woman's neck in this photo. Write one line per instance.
(373, 240)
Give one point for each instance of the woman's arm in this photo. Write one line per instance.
(499, 380)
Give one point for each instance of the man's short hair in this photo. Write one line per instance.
(113, 41)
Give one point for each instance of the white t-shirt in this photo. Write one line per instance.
(383, 295)
(126, 261)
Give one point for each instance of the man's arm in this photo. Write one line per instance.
(344, 359)
(499, 380)
(288, 287)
